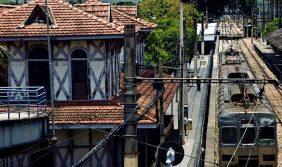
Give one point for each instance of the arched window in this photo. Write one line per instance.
(38, 68)
(79, 75)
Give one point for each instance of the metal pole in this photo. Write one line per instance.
(50, 73)
(185, 69)
(161, 110)
(181, 108)
(195, 53)
(130, 147)
(202, 37)
(252, 24)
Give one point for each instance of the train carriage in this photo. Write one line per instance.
(246, 123)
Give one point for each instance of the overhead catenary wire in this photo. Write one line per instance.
(109, 136)
(250, 154)
(242, 137)
(151, 145)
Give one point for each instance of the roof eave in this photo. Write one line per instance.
(102, 126)
(61, 38)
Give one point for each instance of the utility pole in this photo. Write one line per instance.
(130, 146)
(263, 15)
(181, 104)
(54, 138)
(185, 69)
(195, 52)
(161, 110)
(252, 24)
(202, 36)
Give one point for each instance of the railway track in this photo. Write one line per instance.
(272, 92)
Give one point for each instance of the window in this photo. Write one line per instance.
(228, 135)
(38, 69)
(269, 158)
(249, 137)
(80, 81)
(266, 133)
(227, 158)
(38, 15)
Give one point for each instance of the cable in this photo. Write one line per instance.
(246, 165)
(241, 137)
(110, 134)
(151, 145)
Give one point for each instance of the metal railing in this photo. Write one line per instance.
(22, 102)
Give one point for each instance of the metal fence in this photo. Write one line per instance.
(22, 102)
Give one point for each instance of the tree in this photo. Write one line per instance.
(271, 27)
(164, 41)
(3, 66)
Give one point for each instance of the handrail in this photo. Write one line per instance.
(25, 102)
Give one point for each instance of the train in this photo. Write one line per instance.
(247, 134)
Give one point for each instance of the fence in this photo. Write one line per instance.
(22, 102)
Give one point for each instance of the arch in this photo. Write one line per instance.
(38, 68)
(78, 52)
(80, 75)
(38, 52)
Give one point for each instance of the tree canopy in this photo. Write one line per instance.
(164, 41)
(271, 26)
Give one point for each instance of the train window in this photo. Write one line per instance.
(228, 135)
(268, 157)
(266, 133)
(227, 157)
(249, 137)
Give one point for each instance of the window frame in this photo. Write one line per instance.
(229, 144)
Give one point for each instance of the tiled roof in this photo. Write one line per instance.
(70, 21)
(129, 10)
(275, 39)
(112, 111)
(120, 17)
(105, 10)
(4, 8)
(96, 8)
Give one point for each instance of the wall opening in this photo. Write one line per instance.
(79, 71)
(38, 69)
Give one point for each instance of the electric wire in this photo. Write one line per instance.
(109, 136)
(242, 137)
(151, 145)
(249, 156)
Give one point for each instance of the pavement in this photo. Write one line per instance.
(196, 101)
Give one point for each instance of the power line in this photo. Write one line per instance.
(242, 137)
(246, 165)
(112, 132)
(151, 145)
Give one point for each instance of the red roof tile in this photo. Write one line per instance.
(129, 10)
(4, 8)
(96, 8)
(70, 21)
(112, 111)
(105, 10)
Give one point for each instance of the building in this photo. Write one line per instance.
(87, 56)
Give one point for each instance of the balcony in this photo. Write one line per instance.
(23, 116)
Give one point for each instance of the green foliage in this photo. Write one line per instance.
(271, 27)
(8, 2)
(3, 66)
(129, 3)
(164, 41)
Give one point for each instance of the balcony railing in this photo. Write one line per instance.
(22, 102)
